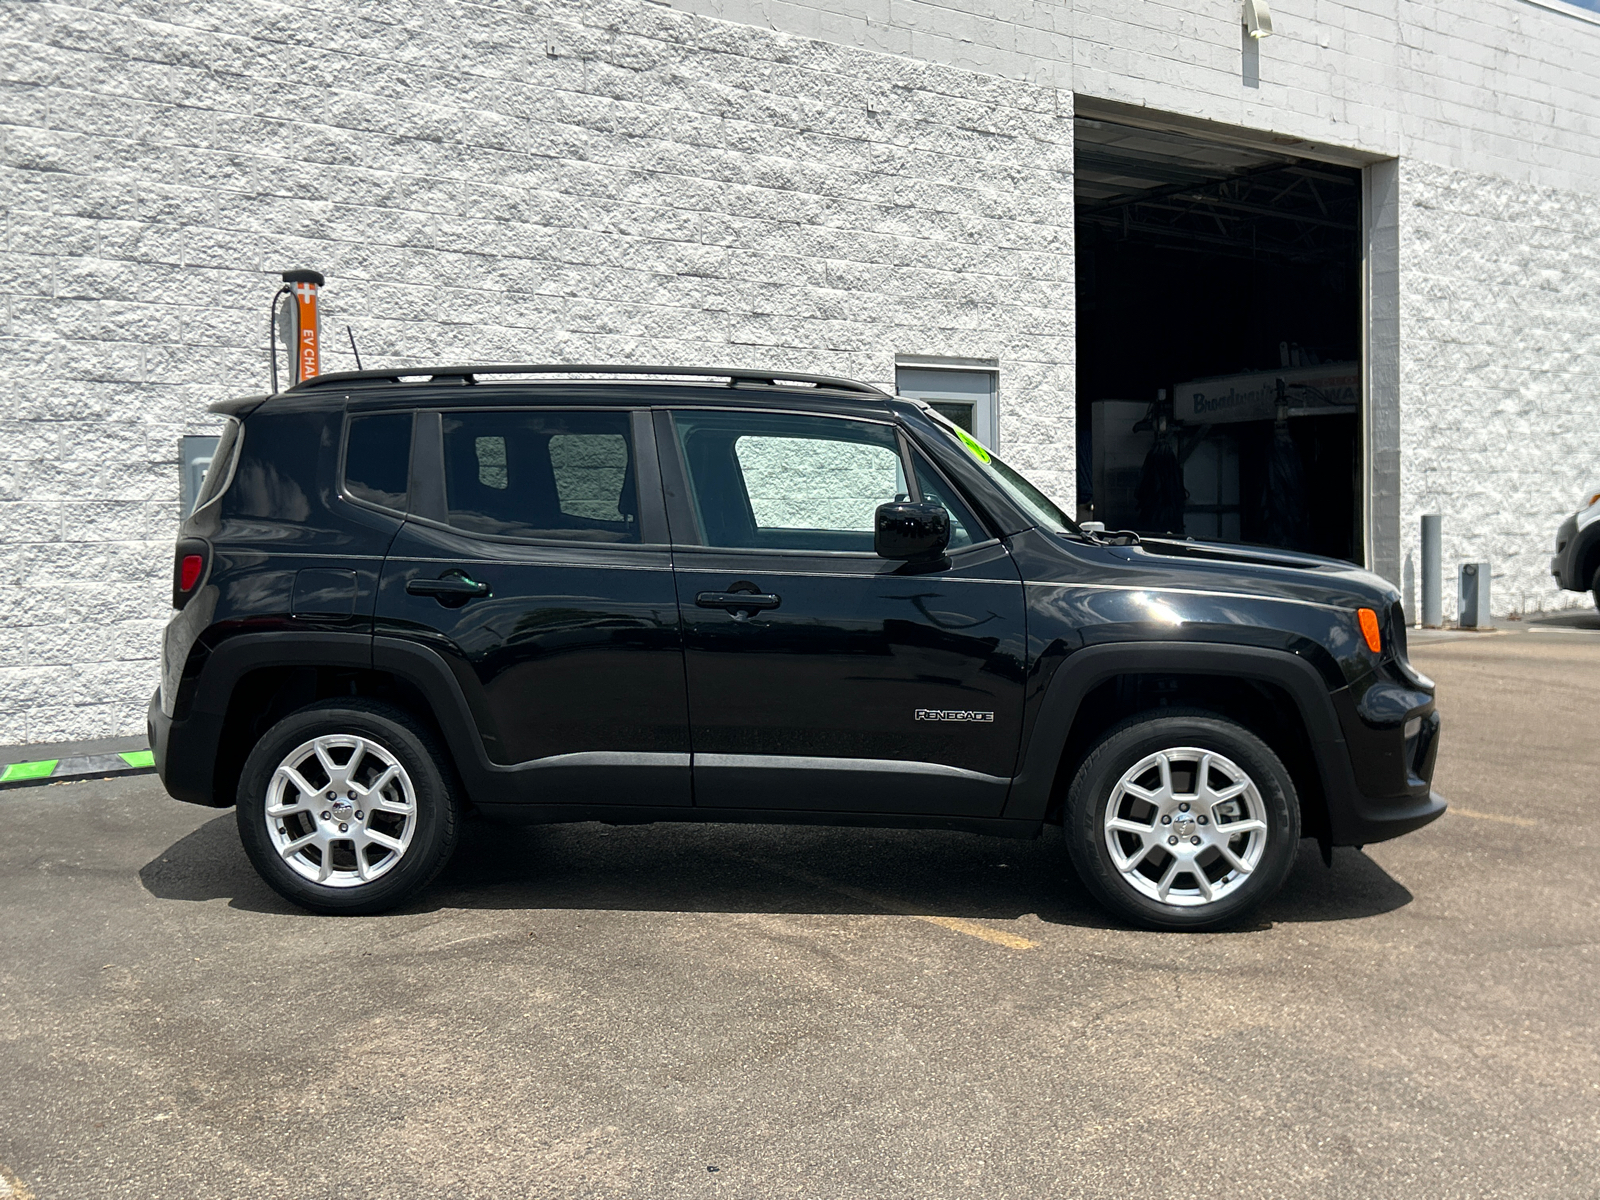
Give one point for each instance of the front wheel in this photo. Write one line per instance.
(1182, 820)
(346, 806)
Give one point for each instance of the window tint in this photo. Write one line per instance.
(565, 475)
(377, 459)
(964, 527)
(774, 481)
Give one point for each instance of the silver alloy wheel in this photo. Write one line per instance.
(1186, 826)
(341, 810)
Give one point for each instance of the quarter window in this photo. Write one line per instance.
(377, 459)
(559, 475)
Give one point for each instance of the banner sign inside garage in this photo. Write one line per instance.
(1311, 391)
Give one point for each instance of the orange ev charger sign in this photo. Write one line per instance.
(305, 298)
(307, 359)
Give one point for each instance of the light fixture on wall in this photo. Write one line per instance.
(1257, 18)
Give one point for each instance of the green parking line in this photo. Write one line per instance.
(29, 770)
(139, 758)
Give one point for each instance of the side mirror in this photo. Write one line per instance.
(911, 532)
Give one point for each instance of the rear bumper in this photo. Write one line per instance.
(185, 753)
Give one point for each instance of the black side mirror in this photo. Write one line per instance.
(907, 531)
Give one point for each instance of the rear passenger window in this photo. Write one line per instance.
(565, 475)
(377, 459)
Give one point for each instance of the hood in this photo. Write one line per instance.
(1263, 569)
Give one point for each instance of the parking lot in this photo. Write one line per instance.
(761, 1012)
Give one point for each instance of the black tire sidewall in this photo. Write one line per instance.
(1123, 746)
(437, 811)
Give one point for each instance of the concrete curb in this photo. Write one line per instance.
(81, 766)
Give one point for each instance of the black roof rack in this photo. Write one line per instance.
(469, 375)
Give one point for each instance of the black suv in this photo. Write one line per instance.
(640, 594)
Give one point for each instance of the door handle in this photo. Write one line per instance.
(452, 589)
(737, 600)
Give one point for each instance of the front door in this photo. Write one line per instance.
(822, 677)
(536, 564)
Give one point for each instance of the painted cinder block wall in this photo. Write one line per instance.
(818, 185)
(546, 182)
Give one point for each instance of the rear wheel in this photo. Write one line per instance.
(347, 807)
(1182, 820)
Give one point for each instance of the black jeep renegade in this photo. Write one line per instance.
(631, 595)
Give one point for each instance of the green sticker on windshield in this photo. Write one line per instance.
(971, 443)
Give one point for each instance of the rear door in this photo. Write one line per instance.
(535, 562)
(820, 676)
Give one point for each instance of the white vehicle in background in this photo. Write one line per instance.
(1576, 564)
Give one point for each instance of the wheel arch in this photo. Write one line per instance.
(252, 681)
(1275, 694)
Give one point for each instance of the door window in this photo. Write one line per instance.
(558, 475)
(782, 482)
(966, 397)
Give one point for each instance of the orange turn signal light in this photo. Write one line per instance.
(1369, 629)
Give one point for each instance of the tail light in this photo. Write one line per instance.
(189, 565)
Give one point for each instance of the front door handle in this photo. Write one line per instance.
(452, 589)
(752, 601)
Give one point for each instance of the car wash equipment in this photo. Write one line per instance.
(303, 328)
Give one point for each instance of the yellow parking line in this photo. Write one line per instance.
(1501, 817)
(972, 929)
(890, 904)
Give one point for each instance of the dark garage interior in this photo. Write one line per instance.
(1218, 340)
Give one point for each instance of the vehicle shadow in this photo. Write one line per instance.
(762, 869)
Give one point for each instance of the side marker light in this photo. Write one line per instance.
(189, 572)
(1369, 629)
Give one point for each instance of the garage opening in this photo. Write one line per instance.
(1218, 340)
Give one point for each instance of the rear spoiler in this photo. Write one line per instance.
(240, 406)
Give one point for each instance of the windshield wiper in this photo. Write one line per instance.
(1097, 533)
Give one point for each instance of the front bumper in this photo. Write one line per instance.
(1561, 563)
(1384, 785)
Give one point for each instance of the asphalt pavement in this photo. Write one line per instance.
(704, 1011)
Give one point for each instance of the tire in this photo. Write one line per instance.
(365, 855)
(1156, 884)
(1594, 587)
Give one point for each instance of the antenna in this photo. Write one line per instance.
(353, 349)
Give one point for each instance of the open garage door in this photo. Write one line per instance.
(1218, 340)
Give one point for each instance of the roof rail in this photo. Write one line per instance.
(469, 375)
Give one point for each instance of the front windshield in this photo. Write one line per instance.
(1039, 507)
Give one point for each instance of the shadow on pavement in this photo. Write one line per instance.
(762, 869)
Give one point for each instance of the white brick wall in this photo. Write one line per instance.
(1499, 373)
(556, 181)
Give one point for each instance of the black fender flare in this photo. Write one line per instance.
(1084, 670)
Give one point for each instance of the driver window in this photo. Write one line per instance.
(783, 482)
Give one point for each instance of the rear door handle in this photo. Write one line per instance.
(737, 600)
(452, 589)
